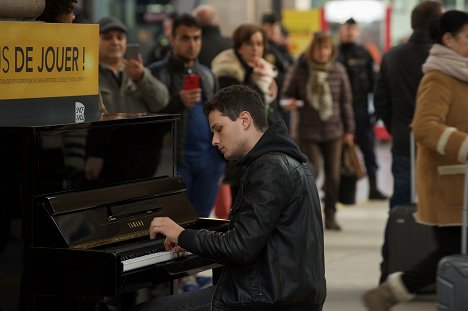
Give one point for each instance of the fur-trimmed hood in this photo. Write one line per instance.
(227, 64)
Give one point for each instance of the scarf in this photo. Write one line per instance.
(447, 61)
(318, 89)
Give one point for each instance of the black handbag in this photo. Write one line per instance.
(347, 192)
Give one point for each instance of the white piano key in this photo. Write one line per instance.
(150, 259)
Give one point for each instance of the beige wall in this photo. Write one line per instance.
(233, 13)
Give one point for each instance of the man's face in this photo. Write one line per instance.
(187, 43)
(112, 46)
(273, 31)
(228, 135)
(349, 33)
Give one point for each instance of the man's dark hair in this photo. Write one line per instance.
(55, 8)
(350, 21)
(185, 20)
(424, 15)
(234, 99)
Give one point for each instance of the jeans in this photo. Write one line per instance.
(401, 171)
(202, 177)
(190, 301)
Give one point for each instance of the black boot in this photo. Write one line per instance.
(374, 192)
(330, 221)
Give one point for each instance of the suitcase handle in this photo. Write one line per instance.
(465, 213)
(413, 168)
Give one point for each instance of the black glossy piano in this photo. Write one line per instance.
(99, 243)
(88, 236)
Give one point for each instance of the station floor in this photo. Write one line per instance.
(352, 256)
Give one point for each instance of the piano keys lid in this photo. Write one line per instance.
(105, 216)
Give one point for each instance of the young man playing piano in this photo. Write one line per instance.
(273, 249)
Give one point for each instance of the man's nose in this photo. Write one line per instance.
(115, 40)
(215, 140)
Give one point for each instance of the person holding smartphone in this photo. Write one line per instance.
(125, 85)
(191, 85)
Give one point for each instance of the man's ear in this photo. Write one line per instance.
(246, 119)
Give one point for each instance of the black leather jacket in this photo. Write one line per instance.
(273, 249)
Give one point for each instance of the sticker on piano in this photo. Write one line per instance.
(79, 112)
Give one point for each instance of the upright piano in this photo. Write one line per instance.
(88, 236)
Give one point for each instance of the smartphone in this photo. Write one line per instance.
(191, 81)
(133, 50)
(285, 102)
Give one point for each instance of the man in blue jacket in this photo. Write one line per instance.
(200, 164)
(273, 248)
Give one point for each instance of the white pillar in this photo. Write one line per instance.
(21, 9)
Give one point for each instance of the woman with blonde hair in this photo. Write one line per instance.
(326, 117)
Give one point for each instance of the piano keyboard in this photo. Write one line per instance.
(149, 257)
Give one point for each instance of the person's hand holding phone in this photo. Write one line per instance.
(191, 92)
(133, 62)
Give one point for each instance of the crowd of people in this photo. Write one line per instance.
(233, 130)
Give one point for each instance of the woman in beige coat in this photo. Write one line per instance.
(440, 127)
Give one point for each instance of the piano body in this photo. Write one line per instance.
(89, 238)
(101, 244)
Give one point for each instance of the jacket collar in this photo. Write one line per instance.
(178, 64)
(275, 139)
(420, 37)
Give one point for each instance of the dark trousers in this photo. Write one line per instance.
(201, 301)
(424, 273)
(365, 139)
(330, 152)
(190, 301)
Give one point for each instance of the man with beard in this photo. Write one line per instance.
(191, 84)
(198, 162)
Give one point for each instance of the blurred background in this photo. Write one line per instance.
(383, 23)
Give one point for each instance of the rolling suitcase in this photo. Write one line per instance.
(452, 273)
(408, 241)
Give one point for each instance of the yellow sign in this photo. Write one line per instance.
(301, 25)
(40, 60)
